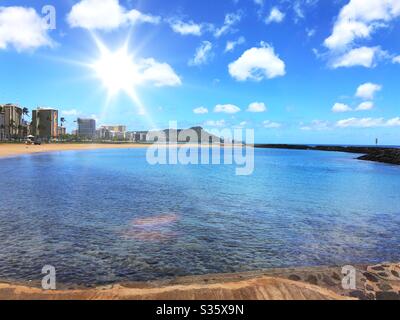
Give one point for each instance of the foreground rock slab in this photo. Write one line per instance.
(380, 282)
(263, 288)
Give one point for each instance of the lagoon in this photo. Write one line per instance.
(107, 216)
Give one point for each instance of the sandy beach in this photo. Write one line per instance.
(381, 282)
(15, 149)
(11, 149)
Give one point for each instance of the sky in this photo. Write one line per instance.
(302, 71)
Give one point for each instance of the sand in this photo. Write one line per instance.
(16, 149)
(13, 149)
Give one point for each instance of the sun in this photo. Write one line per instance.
(116, 70)
(119, 73)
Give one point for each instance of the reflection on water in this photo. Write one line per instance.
(154, 228)
(154, 221)
(106, 216)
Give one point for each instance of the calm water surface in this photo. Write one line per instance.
(107, 216)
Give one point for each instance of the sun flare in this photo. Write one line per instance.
(116, 70)
(119, 73)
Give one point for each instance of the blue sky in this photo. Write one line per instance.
(305, 71)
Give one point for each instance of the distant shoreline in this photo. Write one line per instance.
(389, 155)
(18, 149)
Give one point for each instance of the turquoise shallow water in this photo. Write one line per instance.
(107, 216)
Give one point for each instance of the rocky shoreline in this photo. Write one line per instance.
(374, 282)
(376, 154)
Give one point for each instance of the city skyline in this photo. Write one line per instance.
(296, 72)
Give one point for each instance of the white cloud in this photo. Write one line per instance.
(275, 16)
(215, 123)
(367, 90)
(257, 107)
(226, 108)
(105, 15)
(368, 123)
(271, 125)
(367, 105)
(231, 45)
(203, 54)
(159, 74)
(396, 59)
(395, 122)
(259, 2)
(257, 64)
(341, 107)
(240, 125)
(364, 56)
(186, 28)
(23, 29)
(200, 110)
(230, 20)
(70, 113)
(298, 11)
(317, 125)
(359, 19)
(310, 32)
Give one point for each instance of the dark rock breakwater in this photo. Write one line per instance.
(376, 154)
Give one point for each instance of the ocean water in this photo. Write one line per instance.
(107, 216)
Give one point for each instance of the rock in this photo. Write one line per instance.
(383, 274)
(360, 295)
(377, 154)
(384, 286)
(312, 279)
(328, 281)
(395, 273)
(380, 295)
(369, 288)
(336, 276)
(371, 277)
(378, 268)
(294, 277)
(383, 155)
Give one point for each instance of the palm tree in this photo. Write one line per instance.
(62, 120)
(20, 131)
(25, 112)
(11, 129)
(2, 127)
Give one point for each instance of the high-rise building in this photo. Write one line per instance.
(2, 125)
(45, 123)
(62, 131)
(103, 134)
(12, 121)
(114, 132)
(118, 128)
(87, 128)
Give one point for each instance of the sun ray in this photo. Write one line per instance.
(119, 73)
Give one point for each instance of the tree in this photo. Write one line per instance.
(2, 127)
(25, 112)
(62, 120)
(11, 129)
(20, 131)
